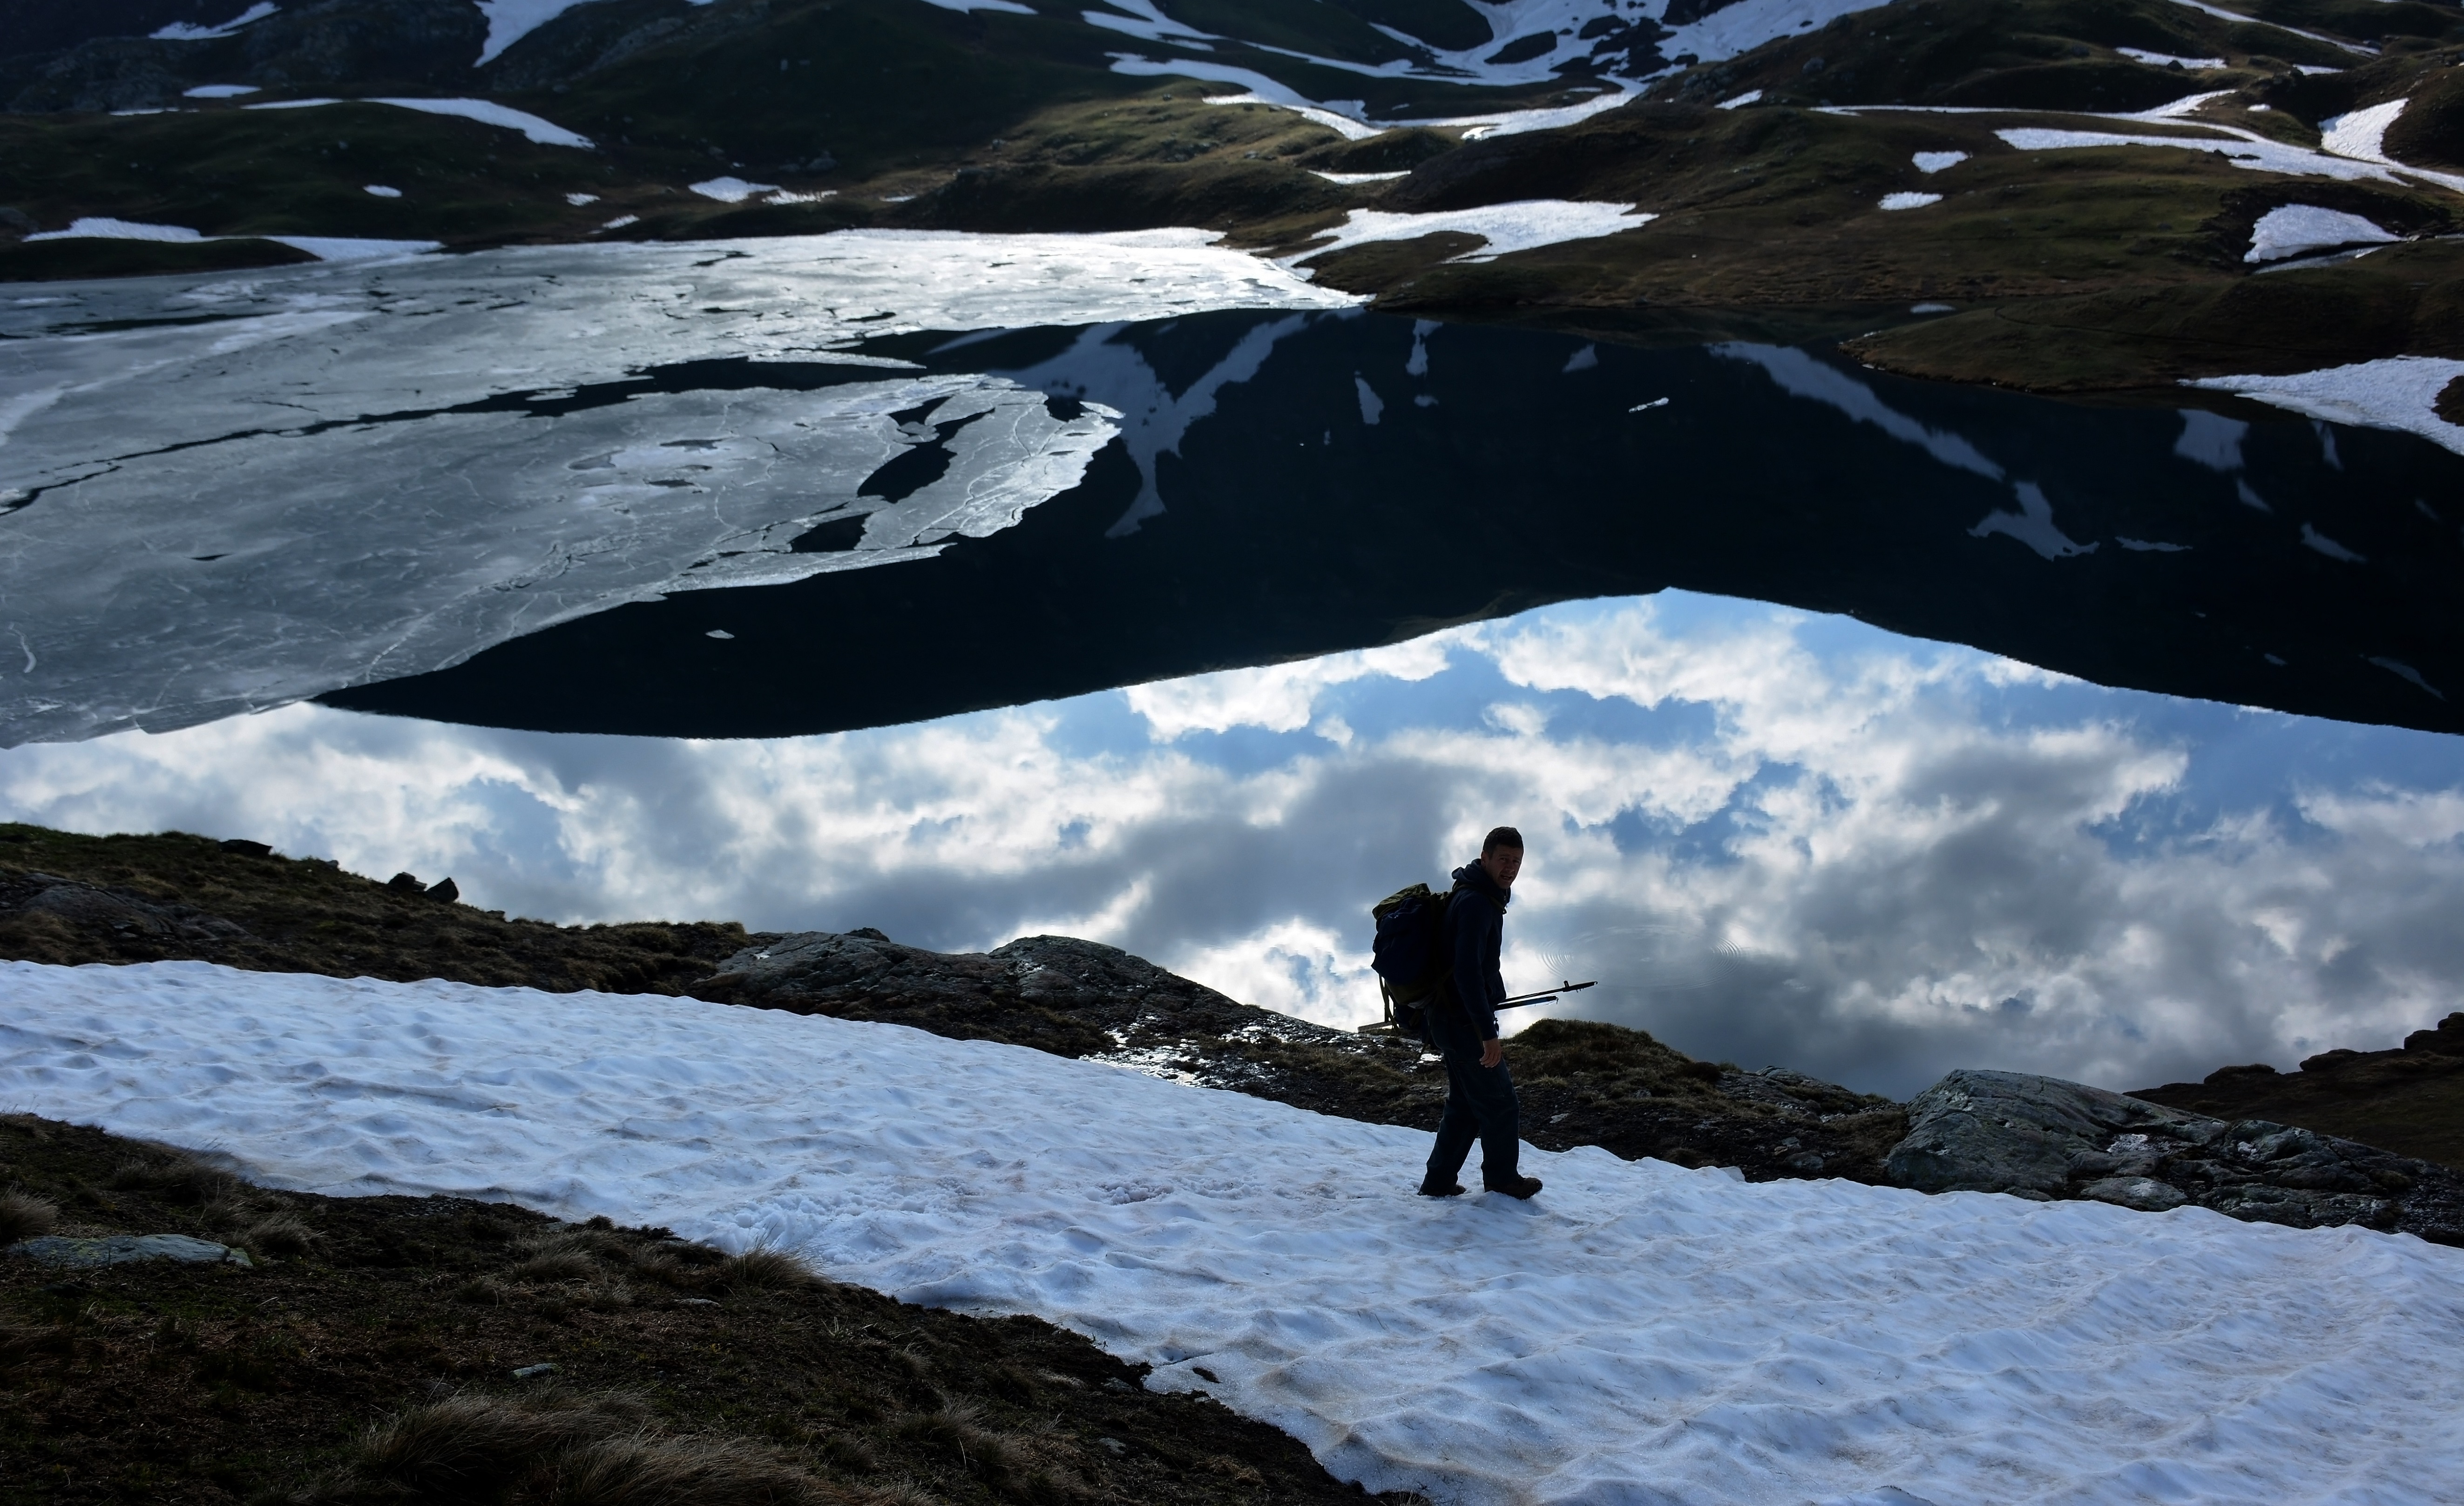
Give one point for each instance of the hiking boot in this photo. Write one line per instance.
(1518, 1187)
(1452, 1190)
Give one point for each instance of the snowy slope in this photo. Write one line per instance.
(1640, 1333)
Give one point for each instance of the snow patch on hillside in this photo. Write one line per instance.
(191, 32)
(2399, 392)
(2292, 229)
(324, 248)
(487, 112)
(1638, 1332)
(1524, 224)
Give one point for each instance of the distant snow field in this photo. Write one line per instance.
(1525, 225)
(1637, 1333)
(324, 248)
(2161, 59)
(487, 112)
(1909, 201)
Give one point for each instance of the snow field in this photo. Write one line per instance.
(2289, 229)
(1637, 1333)
(1523, 225)
(2399, 392)
(324, 248)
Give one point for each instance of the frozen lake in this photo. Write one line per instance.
(1132, 588)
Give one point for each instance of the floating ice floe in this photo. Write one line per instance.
(1523, 225)
(2399, 392)
(218, 91)
(1908, 201)
(487, 112)
(290, 495)
(1640, 1332)
(2292, 229)
(191, 32)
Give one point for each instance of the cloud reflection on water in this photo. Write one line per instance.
(1778, 836)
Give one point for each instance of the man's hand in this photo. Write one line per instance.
(1492, 1051)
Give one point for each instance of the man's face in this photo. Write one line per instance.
(1503, 864)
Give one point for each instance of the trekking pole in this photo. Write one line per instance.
(1546, 995)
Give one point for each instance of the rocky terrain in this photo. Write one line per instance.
(133, 899)
(436, 1350)
(2410, 1100)
(1829, 179)
(2041, 1139)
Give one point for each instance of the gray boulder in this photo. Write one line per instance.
(2041, 1137)
(61, 1249)
(2005, 1131)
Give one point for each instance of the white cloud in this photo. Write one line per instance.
(1774, 836)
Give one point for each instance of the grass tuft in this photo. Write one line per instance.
(25, 1216)
(281, 1236)
(175, 1177)
(553, 1266)
(765, 1268)
(648, 1469)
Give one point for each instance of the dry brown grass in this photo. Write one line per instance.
(282, 1237)
(958, 1429)
(25, 1216)
(764, 1268)
(650, 1470)
(177, 1177)
(555, 1449)
(553, 1266)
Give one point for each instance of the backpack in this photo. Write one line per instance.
(1409, 955)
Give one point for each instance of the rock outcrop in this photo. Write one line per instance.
(2042, 1138)
(1055, 993)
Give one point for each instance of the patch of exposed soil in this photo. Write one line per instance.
(206, 1384)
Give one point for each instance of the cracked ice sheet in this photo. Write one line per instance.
(369, 534)
(1637, 1333)
(2399, 392)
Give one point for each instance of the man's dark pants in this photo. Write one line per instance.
(1480, 1104)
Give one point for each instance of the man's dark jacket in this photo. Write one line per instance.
(1474, 928)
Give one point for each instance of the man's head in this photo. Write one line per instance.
(1501, 852)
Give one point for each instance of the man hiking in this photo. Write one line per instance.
(1463, 1028)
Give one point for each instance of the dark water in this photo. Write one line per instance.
(1289, 485)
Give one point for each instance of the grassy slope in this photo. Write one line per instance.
(2086, 270)
(165, 1382)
